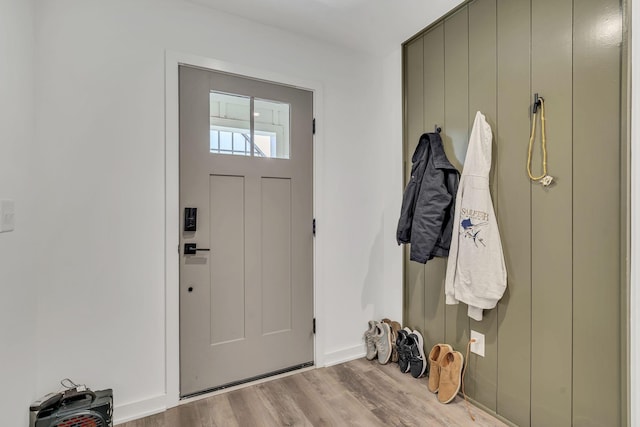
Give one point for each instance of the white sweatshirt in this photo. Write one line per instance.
(476, 274)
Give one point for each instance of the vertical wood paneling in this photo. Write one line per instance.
(596, 212)
(434, 315)
(514, 215)
(551, 264)
(482, 371)
(625, 209)
(227, 240)
(554, 346)
(414, 77)
(456, 135)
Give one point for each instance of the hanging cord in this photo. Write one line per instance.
(464, 370)
(70, 385)
(544, 179)
(67, 383)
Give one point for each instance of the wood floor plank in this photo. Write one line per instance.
(216, 412)
(417, 389)
(387, 408)
(359, 393)
(157, 420)
(356, 387)
(309, 402)
(345, 405)
(396, 402)
(186, 416)
(452, 414)
(281, 406)
(246, 409)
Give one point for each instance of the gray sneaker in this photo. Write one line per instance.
(369, 340)
(382, 339)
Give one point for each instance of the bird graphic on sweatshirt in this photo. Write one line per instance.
(472, 231)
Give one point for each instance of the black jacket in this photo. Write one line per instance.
(428, 204)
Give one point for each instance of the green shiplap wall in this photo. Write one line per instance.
(560, 321)
(514, 310)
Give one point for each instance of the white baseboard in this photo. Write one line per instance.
(140, 409)
(344, 355)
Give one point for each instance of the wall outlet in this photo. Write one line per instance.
(7, 213)
(478, 346)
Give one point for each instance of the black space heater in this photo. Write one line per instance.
(73, 408)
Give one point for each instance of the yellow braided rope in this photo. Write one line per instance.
(544, 144)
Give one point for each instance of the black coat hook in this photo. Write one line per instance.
(437, 129)
(537, 100)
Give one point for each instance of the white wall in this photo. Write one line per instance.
(100, 174)
(17, 288)
(391, 172)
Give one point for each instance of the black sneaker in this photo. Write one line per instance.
(404, 351)
(417, 362)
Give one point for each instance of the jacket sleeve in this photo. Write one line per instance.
(431, 206)
(403, 233)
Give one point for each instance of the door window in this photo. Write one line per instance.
(247, 126)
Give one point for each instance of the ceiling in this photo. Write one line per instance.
(374, 26)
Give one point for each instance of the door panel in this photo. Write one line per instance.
(246, 305)
(227, 260)
(276, 250)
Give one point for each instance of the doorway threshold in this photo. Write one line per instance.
(246, 382)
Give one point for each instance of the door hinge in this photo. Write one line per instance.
(314, 126)
(314, 325)
(314, 227)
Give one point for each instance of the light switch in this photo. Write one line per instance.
(7, 215)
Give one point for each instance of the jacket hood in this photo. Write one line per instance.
(438, 155)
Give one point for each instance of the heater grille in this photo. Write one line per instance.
(81, 420)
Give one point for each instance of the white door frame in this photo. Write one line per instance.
(172, 219)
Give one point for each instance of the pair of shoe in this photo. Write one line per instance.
(380, 339)
(411, 357)
(445, 372)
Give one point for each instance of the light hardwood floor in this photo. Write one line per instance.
(356, 393)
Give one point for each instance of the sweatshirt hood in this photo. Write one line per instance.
(478, 159)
